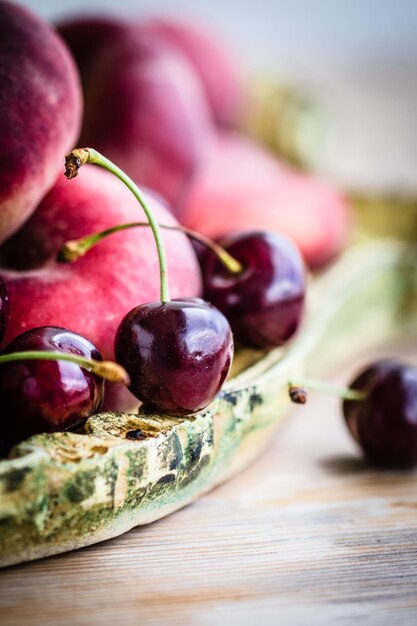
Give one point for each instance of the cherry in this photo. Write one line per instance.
(262, 293)
(200, 251)
(4, 308)
(177, 353)
(264, 302)
(380, 410)
(384, 423)
(44, 395)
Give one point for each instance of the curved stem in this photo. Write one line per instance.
(79, 157)
(109, 370)
(298, 390)
(76, 248)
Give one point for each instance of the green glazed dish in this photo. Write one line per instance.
(62, 491)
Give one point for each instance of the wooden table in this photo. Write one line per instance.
(306, 535)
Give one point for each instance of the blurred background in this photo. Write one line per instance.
(354, 61)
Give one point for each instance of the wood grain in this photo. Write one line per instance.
(308, 534)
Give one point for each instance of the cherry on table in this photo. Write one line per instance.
(45, 396)
(264, 303)
(176, 353)
(384, 423)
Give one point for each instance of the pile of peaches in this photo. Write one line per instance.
(164, 101)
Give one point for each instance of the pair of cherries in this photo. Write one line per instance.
(178, 353)
(50, 379)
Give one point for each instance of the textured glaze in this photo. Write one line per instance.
(264, 304)
(4, 308)
(177, 354)
(46, 396)
(40, 112)
(385, 423)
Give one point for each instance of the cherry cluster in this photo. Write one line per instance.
(176, 354)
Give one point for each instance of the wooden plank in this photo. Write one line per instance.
(308, 534)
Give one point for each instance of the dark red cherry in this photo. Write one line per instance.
(177, 354)
(46, 396)
(385, 423)
(265, 302)
(4, 308)
(200, 251)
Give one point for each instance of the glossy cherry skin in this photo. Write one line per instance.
(47, 396)
(385, 423)
(264, 304)
(4, 308)
(177, 354)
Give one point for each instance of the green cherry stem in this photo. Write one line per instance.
(297, 390)
(79, 157)
(108, 370)
(75, 248)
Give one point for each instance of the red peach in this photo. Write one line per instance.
(216, 66)
(145, 109)
(40, 112)
(213, 62)
(243, 187)
(87, 36)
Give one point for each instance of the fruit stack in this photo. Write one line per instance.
(85, 266)
(163, 100)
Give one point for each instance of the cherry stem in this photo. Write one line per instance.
(298, 390)
(74, 249)
(109, 370)
(79, 157)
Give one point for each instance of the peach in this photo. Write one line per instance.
(243, 187)
(217, 68)
(87, 36)
(145, 109)
(221, 75)
(91, 295)
(40, 112)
